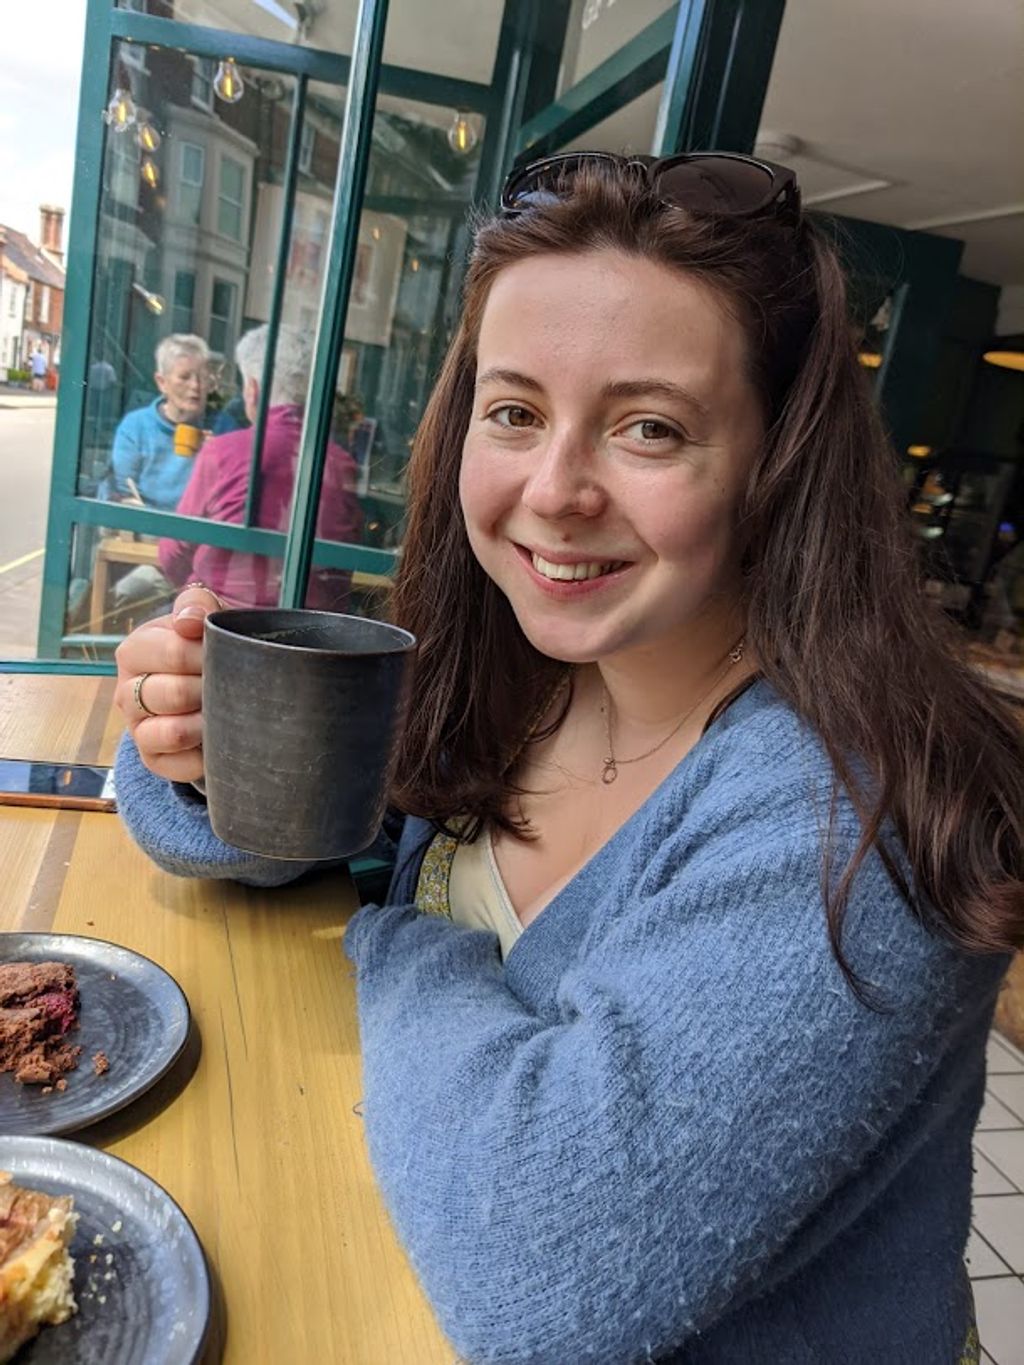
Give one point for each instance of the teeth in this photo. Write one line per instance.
(569, 573)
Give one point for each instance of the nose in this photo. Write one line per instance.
(564, 481)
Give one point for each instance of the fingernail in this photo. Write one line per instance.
(193, 613)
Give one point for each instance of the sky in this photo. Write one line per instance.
(40, 73)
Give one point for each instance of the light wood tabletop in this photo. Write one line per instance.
(263, 1146)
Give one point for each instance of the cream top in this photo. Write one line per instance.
(477, 895)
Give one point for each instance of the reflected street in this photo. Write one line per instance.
(26, 451)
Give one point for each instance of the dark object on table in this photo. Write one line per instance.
(303, 713)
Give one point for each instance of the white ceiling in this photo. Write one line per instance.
(908, 112)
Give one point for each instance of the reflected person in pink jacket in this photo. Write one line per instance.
(219, 483)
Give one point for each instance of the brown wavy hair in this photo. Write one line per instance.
(835, 607)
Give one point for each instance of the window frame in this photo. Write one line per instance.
(240, 204)
(188, 146)
(201, 91)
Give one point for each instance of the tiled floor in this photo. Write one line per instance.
(995, 1253)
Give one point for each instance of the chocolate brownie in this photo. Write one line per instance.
(38, 1008)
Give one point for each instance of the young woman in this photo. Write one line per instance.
(674, 1020)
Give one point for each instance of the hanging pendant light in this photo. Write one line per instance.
(147, 137)
(156, 303)
(462, 135)
(150, 172)
(120, 112)
(228, 82)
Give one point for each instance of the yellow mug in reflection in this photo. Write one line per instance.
(187, 439)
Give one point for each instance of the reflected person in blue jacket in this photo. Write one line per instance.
(143, 449)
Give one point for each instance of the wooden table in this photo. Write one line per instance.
(115, 550)
(263, 1147)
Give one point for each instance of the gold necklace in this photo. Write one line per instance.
(610, 770)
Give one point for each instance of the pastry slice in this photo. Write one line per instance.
(36, 1270)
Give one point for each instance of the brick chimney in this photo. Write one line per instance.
(51, 231)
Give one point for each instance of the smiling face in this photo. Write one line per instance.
(185, 387)
(613, 430)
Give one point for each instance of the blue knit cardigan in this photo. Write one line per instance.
(665, 1128)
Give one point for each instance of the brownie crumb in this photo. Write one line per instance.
(100, 1063)
(61, 1085)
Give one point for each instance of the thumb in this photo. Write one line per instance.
(191, 609)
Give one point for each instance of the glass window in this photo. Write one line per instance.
(598, 29)
(190, 190)
(121, 170)
(44, 303)
(184, 300)
(306, 148)
(230, 198)
(222, 316)
(203, 71)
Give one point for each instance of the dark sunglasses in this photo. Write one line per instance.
(701, 182)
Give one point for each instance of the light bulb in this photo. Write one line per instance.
(147, 137)
(462, 136)
(120, 113)
(154, 302)
(414, 265)
(228, 82)
(149, 172)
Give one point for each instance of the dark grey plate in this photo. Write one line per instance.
(143, 1291)
(131, 1010)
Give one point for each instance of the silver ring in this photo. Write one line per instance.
(137, 694)
(198, 583)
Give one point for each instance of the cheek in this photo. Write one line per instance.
(691, 526)
(487, 485)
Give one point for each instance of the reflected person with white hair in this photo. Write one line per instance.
(220, 482)
(143, 452)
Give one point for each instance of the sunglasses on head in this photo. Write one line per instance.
(725, 183)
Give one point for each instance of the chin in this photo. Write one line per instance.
(567, 647)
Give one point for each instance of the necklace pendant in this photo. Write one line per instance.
(610, 772)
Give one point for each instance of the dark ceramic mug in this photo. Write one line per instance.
(303, 713)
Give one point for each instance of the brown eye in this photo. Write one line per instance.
(513, 416)
(655, 431)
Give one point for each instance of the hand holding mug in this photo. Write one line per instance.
(159, 686)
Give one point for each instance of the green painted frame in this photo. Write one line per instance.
(635, 68)
(714, 55)
(67, 508)
(717, 75)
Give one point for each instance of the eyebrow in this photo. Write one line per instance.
(622, 388)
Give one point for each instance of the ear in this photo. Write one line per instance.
(161, 383)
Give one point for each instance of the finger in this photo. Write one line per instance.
(183, 767)
(163, 735)
(193, 605)
(167, 694)
(157, 648)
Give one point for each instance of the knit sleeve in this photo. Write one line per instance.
(169, 822)
(602, 1179)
